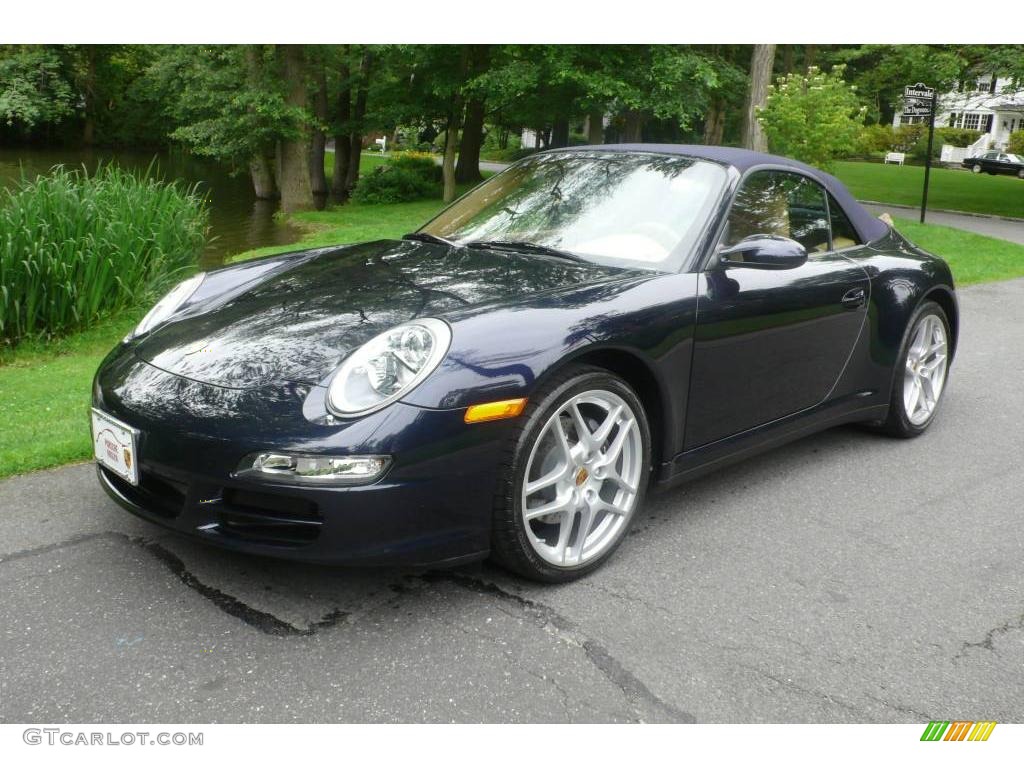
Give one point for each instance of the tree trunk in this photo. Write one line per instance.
(318, 144)
(595, 126)
(342, 146)
(89, 94)
(714, 123)
(560, 132)
(262, 173)
(467, 170)
(810, 56)
(358, 113)
(757, 95)
(787, 59)
(632, 131)
(296, 192)
(261, 167)
(450, 136)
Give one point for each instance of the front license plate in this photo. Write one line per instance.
(114, 444)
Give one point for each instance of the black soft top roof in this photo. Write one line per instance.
(868, 227)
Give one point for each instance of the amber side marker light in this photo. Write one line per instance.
(500, 409)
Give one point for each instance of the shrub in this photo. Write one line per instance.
(877, 138)
(814, 117)
(1016, 144)
(406, 176)
(957, 137)
(74, 246)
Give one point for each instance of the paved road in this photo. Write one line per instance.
(844, 578)
(1004, 229)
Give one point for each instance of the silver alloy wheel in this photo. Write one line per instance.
(924, 371)
(976, 169)
(582, 478)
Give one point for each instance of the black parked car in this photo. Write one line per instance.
(510, 379)
(996, 162)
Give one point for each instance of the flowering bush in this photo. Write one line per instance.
(814, 117)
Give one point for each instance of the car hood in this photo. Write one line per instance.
(298, 323)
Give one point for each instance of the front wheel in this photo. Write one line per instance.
(576, 472)
(976, 169)
(1020, 173)
(921, 371)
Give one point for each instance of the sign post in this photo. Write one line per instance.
(920, 100)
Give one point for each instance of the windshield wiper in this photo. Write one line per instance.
(426, 237)
(522, 245)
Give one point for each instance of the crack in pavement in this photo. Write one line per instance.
(265, 622)
(785, 683)
(635, 691)
(990, 636)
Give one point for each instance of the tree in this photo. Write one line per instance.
(318, 141)
(230, 103)
(761, 62)
(34, 89)
(467, 169)
(814, 117)
(293, 147)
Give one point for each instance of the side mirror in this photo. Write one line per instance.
(764, 252)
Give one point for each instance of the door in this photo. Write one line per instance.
(771, 342)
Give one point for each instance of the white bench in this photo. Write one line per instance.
(895, 157)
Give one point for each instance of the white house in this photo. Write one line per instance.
(989, 105)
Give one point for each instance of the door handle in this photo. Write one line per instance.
(853, 298)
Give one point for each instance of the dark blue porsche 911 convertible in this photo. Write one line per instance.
(513, 377)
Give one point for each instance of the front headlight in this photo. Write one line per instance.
(168, 305)
(388, 366)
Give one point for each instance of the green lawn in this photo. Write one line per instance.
(973, 258)
(353, 223)
(44, 398)
(947, 189)
(44, 389)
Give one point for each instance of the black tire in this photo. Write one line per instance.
(510, 546)
(1020, 173)
(976, 168)
(897, 423)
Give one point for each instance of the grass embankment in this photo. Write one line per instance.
(951, 190)
(76, 248)
(44, 391)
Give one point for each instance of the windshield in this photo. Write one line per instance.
(640, 211)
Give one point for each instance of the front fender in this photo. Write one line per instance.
(646, 322)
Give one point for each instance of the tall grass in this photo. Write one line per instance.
(75, 247)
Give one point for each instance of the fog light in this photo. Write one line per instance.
(314, 470)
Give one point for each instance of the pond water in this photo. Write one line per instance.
(238, 221)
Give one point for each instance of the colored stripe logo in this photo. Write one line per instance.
(958, 730)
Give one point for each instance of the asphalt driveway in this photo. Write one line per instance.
(845, 578)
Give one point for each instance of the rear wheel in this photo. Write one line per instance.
(576, 473)
(921, 372)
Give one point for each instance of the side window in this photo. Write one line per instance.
(808, 215)
(843, 233)
(780, 203)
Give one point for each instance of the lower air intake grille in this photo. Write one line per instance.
(269, 518)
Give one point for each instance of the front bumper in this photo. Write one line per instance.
(432, 506)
